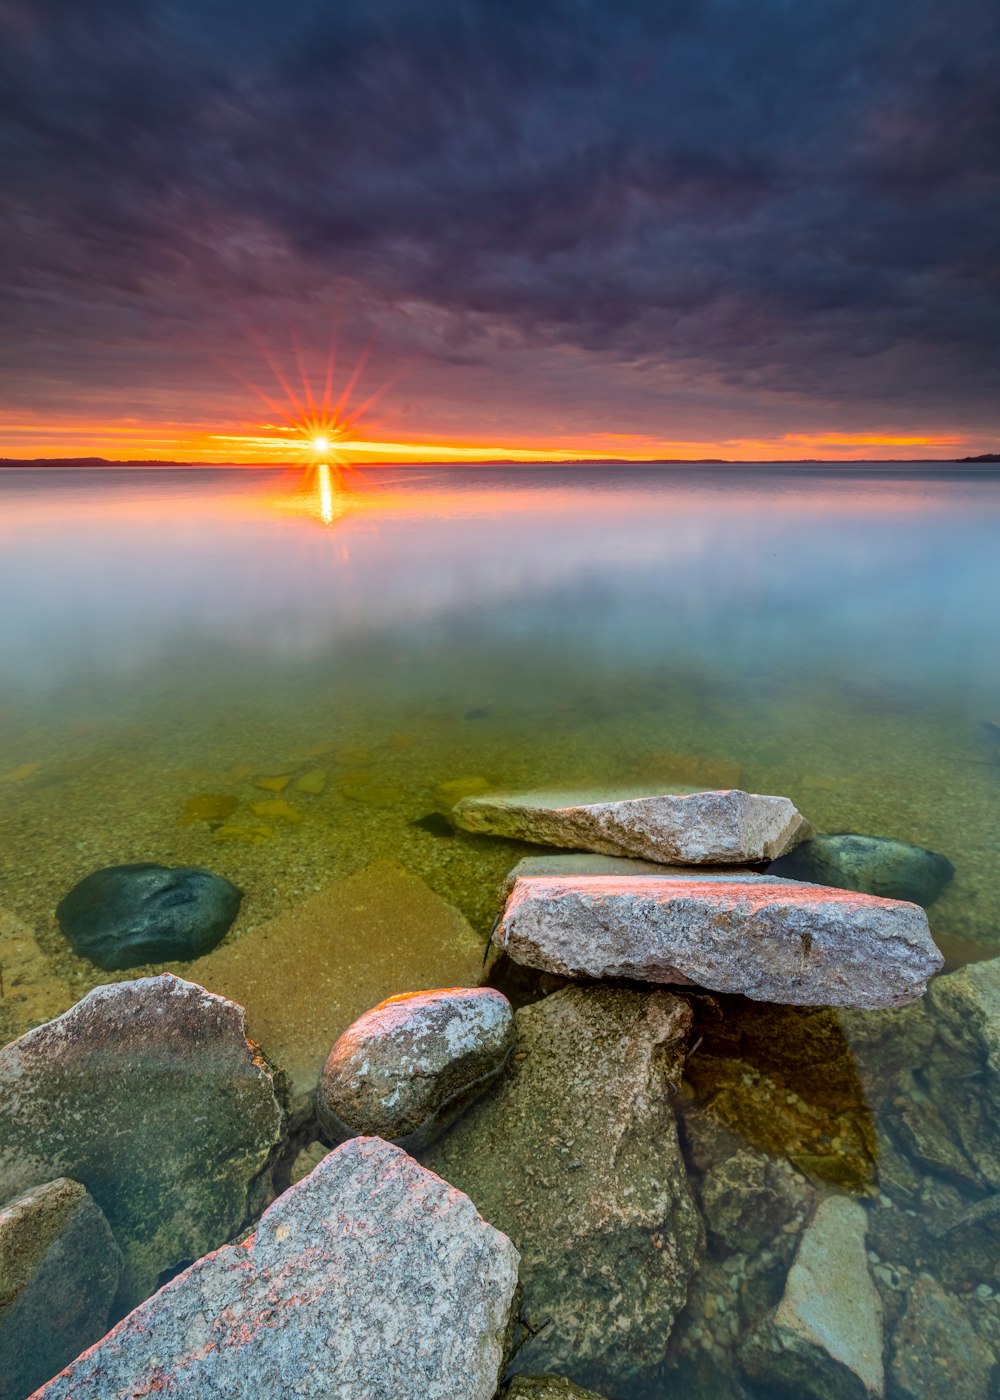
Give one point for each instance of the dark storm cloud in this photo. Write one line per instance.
(785, 196)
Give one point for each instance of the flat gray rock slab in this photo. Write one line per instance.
(59, 1268)
(772, 940)
(148, 1093)
(369, 1280)
(575, 1156)
(824, 1339)
(409, 1067)
(697, 828)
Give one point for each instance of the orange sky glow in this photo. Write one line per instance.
(262, 443)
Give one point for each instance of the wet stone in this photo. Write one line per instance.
(149, 1094)
(936, 1355)
(870, 865)
(131, 915)
(824, 1339)
(575, 1156)
(409, 1067)
(370, 1278)
(59, 1269)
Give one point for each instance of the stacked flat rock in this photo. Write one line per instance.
(772, 940)
(371, 1277)
(691, 828)
(409, 1067)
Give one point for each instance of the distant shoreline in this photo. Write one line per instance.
(82, 463)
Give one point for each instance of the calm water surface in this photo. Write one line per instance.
(826, 634)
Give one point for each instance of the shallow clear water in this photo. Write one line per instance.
(829, 634)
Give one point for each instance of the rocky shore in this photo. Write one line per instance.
(692, 1128)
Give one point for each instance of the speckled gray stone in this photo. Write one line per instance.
(691, 828)
(59, 1268)
(369, 1280)
(772, 940)
(824, 1339)
(149, 1094)
(575, 1156)
(409, 1067)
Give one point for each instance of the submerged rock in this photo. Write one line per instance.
(824, 1339)
(149, 1094)
(869, 865)
(965, 1007)
(307, 974)
(695, 828)
(130, 915)
(409, 1067)
(575, 1155)
(772, 940)
(936, 1355)
(59, 1268)
(545, 1388)
(371, 1278)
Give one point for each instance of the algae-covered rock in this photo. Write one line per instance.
(575, 1155)
(870, 865)
(545, 1388)
(370, 1279)
(824, 1339)
(131, 915)
(149, 1094)
(59, 1269)
(406, 1069)
(743, 1202)
(689, 828)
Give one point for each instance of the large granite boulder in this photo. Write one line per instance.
(689, 828)
(305, 975)
(59, 1268)
(824, 1339)
(132, 915)
(148, 1093)
(936, 1355)
(409, 1067)
(371, 1278)
(575, 1155)
(869, 865)
(772, 940)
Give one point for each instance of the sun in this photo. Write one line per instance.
(320, 444)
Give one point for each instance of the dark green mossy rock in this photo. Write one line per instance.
(133, 915)
(870, 865)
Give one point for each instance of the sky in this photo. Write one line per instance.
(551, 228)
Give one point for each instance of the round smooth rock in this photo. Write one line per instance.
(406, 1069)
(130, 915)
(869, 865)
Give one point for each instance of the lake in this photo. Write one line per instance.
(396, 636)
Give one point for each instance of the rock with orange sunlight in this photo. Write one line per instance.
(370, 1277)
(772, 940)
(413, 1064)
